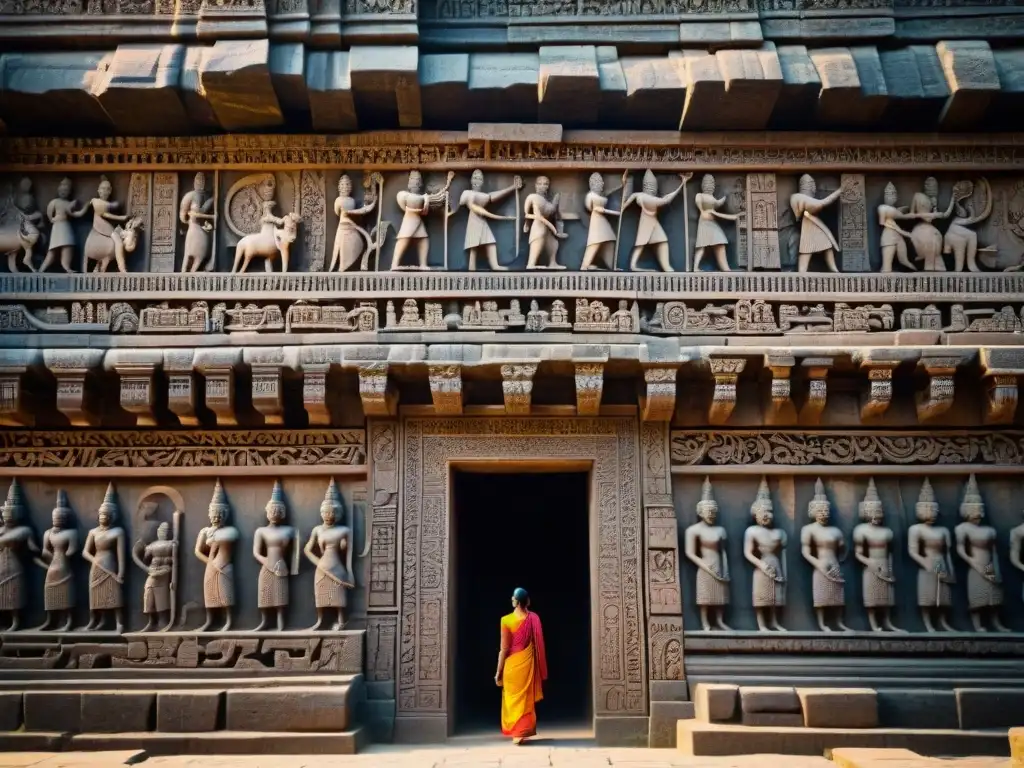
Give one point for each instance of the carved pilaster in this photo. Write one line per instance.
(1000, 398)
(181, 386)
(938, 397)
(378, 395)
(71, 368)
(726, 371)
(137, 394)
(314, 393)
(816, 371)
(266, 392)
(659, 400)
(589, 386)
(14, 411)
(446, 388)
(879, 395)
(780, 410)
(383, 528)
(517, 387)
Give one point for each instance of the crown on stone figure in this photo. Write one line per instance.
(763, 502)
(332, 499)
(276, 499)
(109, 504)
(13, 504)
(61, 504)
(219, 501)
(819, 504)
(972, 505)
(926, 506)
(707, 501)
(650, 183)
(871, 503)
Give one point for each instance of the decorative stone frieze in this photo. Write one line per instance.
(726, 371)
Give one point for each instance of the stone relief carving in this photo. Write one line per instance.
(1017, 549)
(709, 232)
(194, 212)
(925, 236)
(104, 550)
(479, 237)
(929, 546)
(272, 545)
(60, 545)
(158, 559)
(334, 575)
(544, 223)
(815, 236)
(352, 243)
(602, 240)
(16, 541)
(249, 214)
(960, 239)
(60, 211)
(215, 548)
(20, 222)
(415, 205)
(873, 546)
(106, 242)
(824, 547)
(976, 546)
(650, 231)
(706, 548)
(765, 549)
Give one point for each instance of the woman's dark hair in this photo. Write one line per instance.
(521, 596)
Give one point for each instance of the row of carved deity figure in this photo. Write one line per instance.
(824, 547)
(275, 547)
(265, 235)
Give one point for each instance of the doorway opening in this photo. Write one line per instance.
(530, 530)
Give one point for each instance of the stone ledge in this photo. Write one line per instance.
(856, 643)
(224, 742)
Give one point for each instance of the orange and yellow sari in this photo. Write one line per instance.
(526, 667)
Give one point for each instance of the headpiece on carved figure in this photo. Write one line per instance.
(199, 182)
(931, 187)
(104, 185)
(266, 188)
(872, 505)
(707, 504)
(707, 184)
(807, 185)
(332, 501)
(14, 504)
(109, 506)
(972, 505)
(276, 504)
(219, 503)
(476, 179)
(890, 195)
(763, 503)
(650, 185)
(415, 181)
(926, 508)
(61, 508)
(819, 504)
(596, 182)
(344, 185)
(64, 188)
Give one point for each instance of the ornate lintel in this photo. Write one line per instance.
(780, 410)
(446, 388)
(137, 394)
(658, 402)
(517, 387)
(314, 393)
(726, 371)
(879, 394)
(379, 396)
(589, 386)
(938, 398)
(266, 392)
(14, 410)
(816, 371)
(1001, 397)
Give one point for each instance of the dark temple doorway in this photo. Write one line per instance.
(529, 530)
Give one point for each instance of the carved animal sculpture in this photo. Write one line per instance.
(103, 249)
(268, 243)
(18, 236)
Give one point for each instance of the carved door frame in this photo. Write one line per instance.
(431, 447)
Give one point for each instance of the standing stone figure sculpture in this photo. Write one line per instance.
(815, 236)
(268, 236)
(705, 547)
(960, 239)
(334, 576)
(478, 232)
(873, 548)
(60, 543)
(709, 232)
(194, 212)
(107, 243)
(824, 547)
(893, 241)
(215, 547)
(352, 242)
(15, 541)
(765, 548)
(976, 545)
(926, 238)
(271, 546)
(1017, 549)
(416, 204)
(157, 560)
(929, 546)
(543, 222)
(19, 227)
(104, 551)
(650, 232)
(60, 211)
(601, 238)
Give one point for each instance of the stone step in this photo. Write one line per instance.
(694, 737)
(852, 757)
(213, 743)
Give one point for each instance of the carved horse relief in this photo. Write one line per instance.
(250, 204)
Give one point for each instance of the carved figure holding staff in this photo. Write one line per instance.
(416, 204)
(195, 212)
(929, 546)
(478, 232)
(542, 222)
(351, 242)
(271, 546)
(104, 551)
(334, 576)
(215, 547)
(600, 237)
(157, 559)
(60, 543)
(15, 539)
(650, 232)
(709, 231)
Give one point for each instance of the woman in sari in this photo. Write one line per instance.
(522, 668)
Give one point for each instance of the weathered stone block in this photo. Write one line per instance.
(188, 711)
(289, 708)
(331, 103)
(664, 716)
(669, 690)
(288, 76)
(117, 711)
(139, 90)
(769, 699)
(568, 85)
(385, 81)
(917, 708)
(41, 89)
(444, 86)
(236, 78)
(1017, 744)
(989, 707)
(11, 703)
(773, 719)
(655, 91)
(839, 707)
(53, 711)
(972, 77)
(916, 87)
(505, 85)
(621, 731)
(801, 85)
(715, 702)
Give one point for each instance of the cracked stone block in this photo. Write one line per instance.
(655, 91)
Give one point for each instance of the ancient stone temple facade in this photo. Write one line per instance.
(326, 324)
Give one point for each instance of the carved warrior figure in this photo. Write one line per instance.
(650, 232)
(106, 242)
(195, 213)
(976, 545)
(926, 238)
(929, 547)
(824, 547)
(15, 540)
(215, 547)
(104, 551)
(815, 236)
(960, 239)
(334, 575)
(602, 240)
(705, 547)
(60, 543)
(351, 242)
(157, 560)
(873, 548)
(478, 232)
(709, 231)
(19, 230)
(59, 211)
(765, 548)
(416, 204)
(543, 222)
(271, 546)
(268, 236)
(892, 241)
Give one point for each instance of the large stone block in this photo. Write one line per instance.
(386, 85)
(59, 711)
(990, 707)
(11, 703)
(669, 690)
(664, 716)
(504, 85)
(331, 103)
(444, 86)
(568, 85)
(237, 82)
(117, 711)
(41, 91)
(839, 707)
(917, 708)
(769, 699)
(715, 702)
(1017, 744)
(773, 719)
(973, 80)
(655, 91)
(621, 731)
(139, 90)
(801, 84)
(289, 708)
(195, 711)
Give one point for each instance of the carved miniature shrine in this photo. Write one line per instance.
(282, 278)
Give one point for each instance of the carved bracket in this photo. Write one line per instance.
(181, 386)
(446, 388)
(816, 370)
(589, 386)
(658, 402)
(726, 371)
(517, 387)
(220, 393)
(266, 393)
(938, 398)
(379, 396)
(314, 393)
(137, 393)
(1001, 398)
(74, 397)
(879, 395)
(14, 410)
(780, 410)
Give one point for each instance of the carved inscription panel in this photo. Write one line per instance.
(618, 631)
